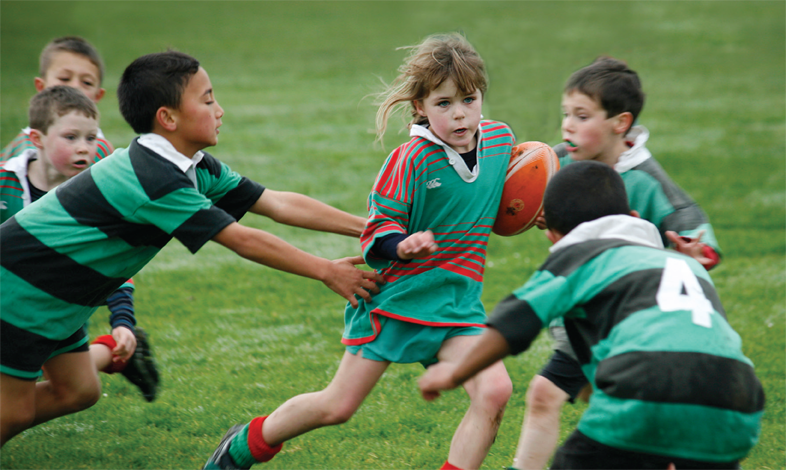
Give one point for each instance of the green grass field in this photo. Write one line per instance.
(235, 340)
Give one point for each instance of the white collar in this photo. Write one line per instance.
(18, 165)
(454, 159)
(160, 145)
(636, 154)
(625, 227)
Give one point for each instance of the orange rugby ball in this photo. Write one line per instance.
(532, 164)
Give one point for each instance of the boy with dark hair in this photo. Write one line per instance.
(102, 226)
(601, 102)
(70, 61)
(671, 386)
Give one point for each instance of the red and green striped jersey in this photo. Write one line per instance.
(22, 142)
(425, 185)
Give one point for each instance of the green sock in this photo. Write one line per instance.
(239, 451)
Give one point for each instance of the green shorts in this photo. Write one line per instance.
(405, 343)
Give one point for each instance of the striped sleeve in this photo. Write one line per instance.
(390, 201)
(20, 143)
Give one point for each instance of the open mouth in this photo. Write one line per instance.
(80, 164)
(571, 145)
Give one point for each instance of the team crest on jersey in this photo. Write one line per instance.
(433, 184)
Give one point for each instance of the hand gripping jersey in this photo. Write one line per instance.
(649, 331)
(98, 229)
(425, 185)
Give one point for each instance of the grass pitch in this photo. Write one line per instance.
(235, 340)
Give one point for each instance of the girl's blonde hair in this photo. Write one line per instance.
(430, 63)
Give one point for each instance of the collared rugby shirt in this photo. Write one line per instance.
(667, 371)
(62, 256)
(424, 185)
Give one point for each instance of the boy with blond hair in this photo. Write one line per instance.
(105, 224)
(72, 61)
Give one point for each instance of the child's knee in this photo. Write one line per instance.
(543, 396)
(79, 398)
(495, 389)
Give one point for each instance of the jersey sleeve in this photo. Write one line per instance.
(225, 188)
(389, 204)
(186, 215)
(521, 316)
(20, 143)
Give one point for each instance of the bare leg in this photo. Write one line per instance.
(102, 356)
(73, 386)
(17, 406)
(540, 430)
(335, 404)
(489, 392)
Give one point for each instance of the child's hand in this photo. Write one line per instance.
(126, 344)
(437, 378)
(417, 245)
(540, 222)
(692, 247)
(347, 281)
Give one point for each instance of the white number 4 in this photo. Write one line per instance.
(680, 290)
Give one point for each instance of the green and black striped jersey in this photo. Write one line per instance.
(668, 373)
(62, 256)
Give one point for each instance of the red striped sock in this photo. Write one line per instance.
(449, 466)
(260, 449)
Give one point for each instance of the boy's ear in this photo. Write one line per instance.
(624, 122)
(35, 138)
(553, 236)
(165, 118)
(39, 83)
(99, 95)
(635, 214)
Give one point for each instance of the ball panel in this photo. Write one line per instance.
(532, 164)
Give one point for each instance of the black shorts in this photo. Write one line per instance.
(565, 372)
(579, 452)
(22, 353)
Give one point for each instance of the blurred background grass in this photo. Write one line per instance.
(235, 340)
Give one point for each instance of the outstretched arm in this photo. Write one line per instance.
(302, 211)
(341, 275)
(490, 348)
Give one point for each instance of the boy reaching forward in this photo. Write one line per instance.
(670, 383)
(101, 227)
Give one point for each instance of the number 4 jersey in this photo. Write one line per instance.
(667, 370)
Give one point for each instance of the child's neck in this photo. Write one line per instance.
(43, 176)
(613, 154)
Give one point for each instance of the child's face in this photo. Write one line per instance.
(589, 133)
(72, 70)
(453, 116)
(69, 146)
(199, 115)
